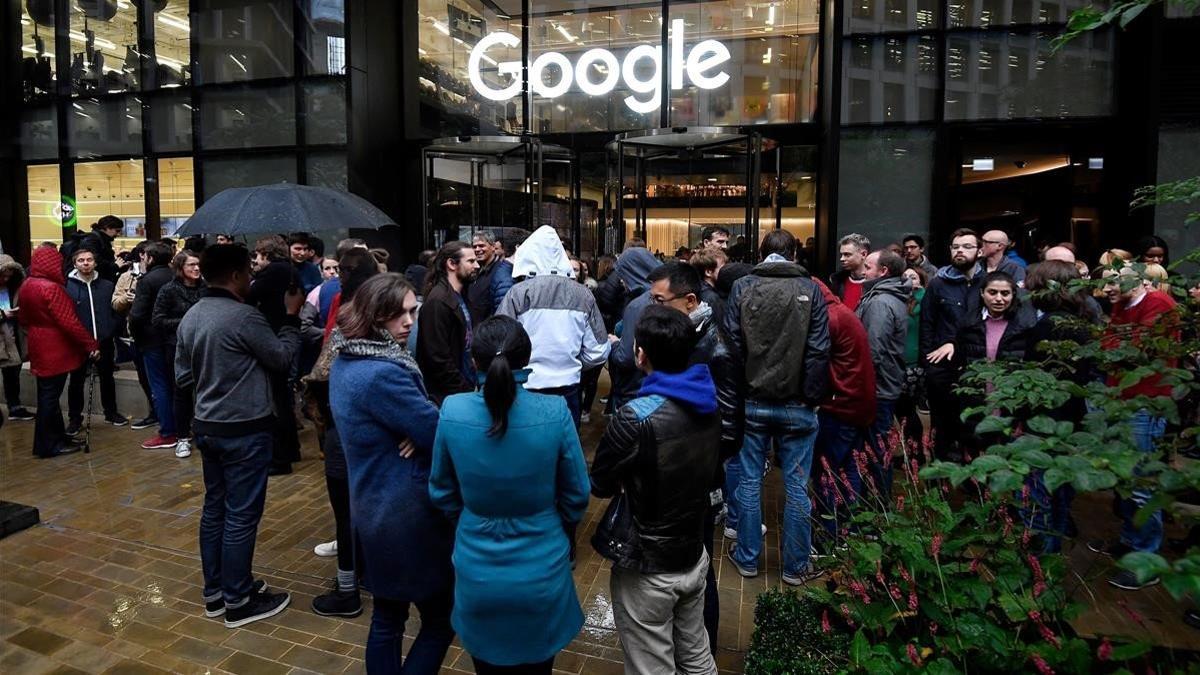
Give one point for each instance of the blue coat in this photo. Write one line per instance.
(377, 404)
(514, 598)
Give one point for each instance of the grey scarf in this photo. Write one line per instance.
(380, 346)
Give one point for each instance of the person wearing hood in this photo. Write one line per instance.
(559, 314)
(627, 281)
(846, 409)
(58, 345)
(12, 344)
(92, 296)
(656, 461)
(678, 285)
(632, 272)
(883, 311)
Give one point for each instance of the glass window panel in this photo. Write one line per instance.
(176, 192)
(243, 39)
(892, 79)
(326, 169)
(248, 117)
(111, 188)
(39, 133)
(108, 126)
(325, 112)
(798, 197)
(170, 122)
(884, 183)
(104, 56)
(324, 43)
(773, 65)
(1014, 75)
(244, 171)
(878, 16)
(987, 13)
(44, 193)
(37, 49)
(173, 45)
(450, 104)
(1178, 158)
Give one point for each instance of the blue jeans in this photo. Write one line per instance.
(158, 371)
(1147, 429)
(385, 640)
(793, 426)
(235, 489)
(733, 476)
(877, 436)
(836, 441)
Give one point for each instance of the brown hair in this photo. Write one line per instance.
(379, 300)
(180, 260)
(966, 232)
(273, 247)
(924, 277)
(451, 250)
(708, 260)
(1047, 283)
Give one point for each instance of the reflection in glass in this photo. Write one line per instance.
(37, 49)
(878, 16)
(1014, 75)
(170, 122)
(450, 104)
(326, 169)
(325, 112)
(108, 126)
(324, 43)
(248, 117)
(243, 39)
(172, 44)
(987, 13)
(228, 172)
(44, 194)
(884, 183)
(117, 188)
(890, 79)
(176, 193)
(39, 133)
(104, 55)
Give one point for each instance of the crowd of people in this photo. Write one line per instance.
(447, 403)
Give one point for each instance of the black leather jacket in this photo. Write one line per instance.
(664, 455)
(726, 367)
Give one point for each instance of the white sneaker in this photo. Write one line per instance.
(183, 448)
(585, 418)
(326, 550)
(731, 533)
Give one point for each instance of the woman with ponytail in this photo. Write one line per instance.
(507, 464)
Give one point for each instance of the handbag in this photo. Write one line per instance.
(616, 537)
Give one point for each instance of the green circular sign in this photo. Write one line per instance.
(67, 213)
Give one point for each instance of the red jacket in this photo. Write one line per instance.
(1147, 317)
(851, 396)
(58, 342)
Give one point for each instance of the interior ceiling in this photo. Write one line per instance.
(1014, 166)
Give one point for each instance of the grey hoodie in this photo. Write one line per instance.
(883, 311)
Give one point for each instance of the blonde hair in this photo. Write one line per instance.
(1108, 257)
(1156, 277)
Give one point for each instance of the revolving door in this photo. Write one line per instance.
(473, 183)
(671, 183)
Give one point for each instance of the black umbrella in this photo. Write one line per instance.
(283, 207)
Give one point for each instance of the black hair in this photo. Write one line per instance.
(778, 241)
(318, 247)
(425, 257)
(892, 262)
(918, 239)
(219, 262)
(195, 244)
(160, 252)
(666, 336)
(299, 238)
(499, 345)
(681, 277)
(355, 267)
(451, 250)
(728, 275)
(707, 233)
(513, 238)
(108, 222)
(1008, 279)
(1152, 241)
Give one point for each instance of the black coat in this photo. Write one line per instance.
(106, 260)
(268, 289)
(1063, 327)
(174, 300)
(141, 314)
(441, 344)
(970, 342)
(95, 300)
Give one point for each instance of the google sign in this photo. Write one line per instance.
(697, 64)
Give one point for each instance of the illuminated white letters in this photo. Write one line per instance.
(698, 65)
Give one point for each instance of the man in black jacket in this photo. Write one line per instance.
(661, 451)
(274, 277)
(93, 305)
(444, 324)
(100, 242)
(678, 285)
(150, 343)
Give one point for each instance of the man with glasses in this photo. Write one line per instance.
(995, 259)
(914, 254)
(952, 294)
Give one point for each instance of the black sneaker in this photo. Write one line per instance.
(20, 415)
(73, 427)
(1114, 550)
(68, 448)
(116, 419)
(215, 608)
(258, 606)
(338, 603)
(1129, 581)
(145, 423)
(810, 573)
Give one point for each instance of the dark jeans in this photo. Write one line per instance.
(385, 641)
(183, 401)
(1047, 513)
(139, 364)
(914, 430)
(12, 386)
(589, 381)
(286, 447)
(485, 668)
(878, 441)
(162, 384)
(339, 501)
(108, 386)
(945, 408)
(235, 489)
(832, 468)
(49, 432)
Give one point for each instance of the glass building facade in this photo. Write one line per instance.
(884, 117)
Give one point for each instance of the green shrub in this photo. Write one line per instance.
(789, 639)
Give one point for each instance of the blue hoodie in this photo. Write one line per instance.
(693, 388)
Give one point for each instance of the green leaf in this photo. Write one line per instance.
(1042, 425)
(1092, 480)
(1055, 478)
(994, 425)
(867, 550)
(1129, 651)
(860, 649)
(1132, 13)
(1144, 565)
(1005, 480)
(988, 463)
(1037, 459)
(1064, 429)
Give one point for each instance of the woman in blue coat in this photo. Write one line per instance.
(386, 424)
(508, 464)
